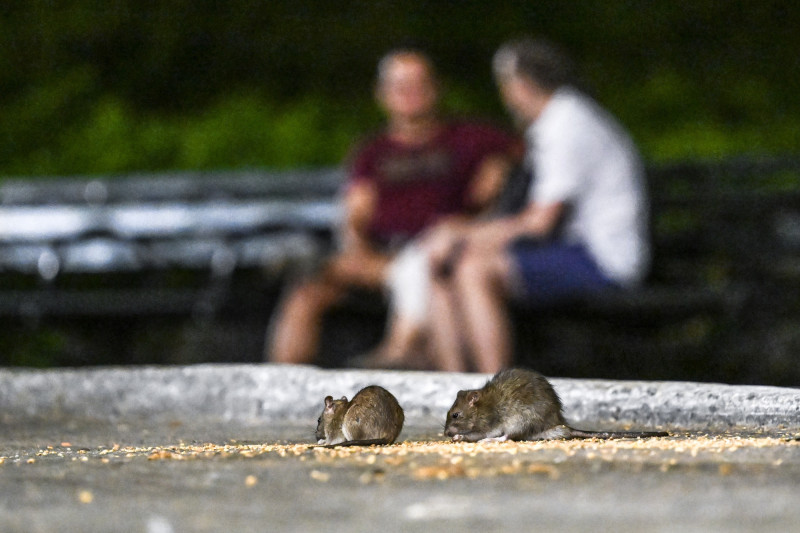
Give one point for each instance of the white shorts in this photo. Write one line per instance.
(409, 284)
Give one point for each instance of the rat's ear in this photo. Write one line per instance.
(343, 398)
(328, 402)
(472, 397)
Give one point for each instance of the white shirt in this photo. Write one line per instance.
(582, 157)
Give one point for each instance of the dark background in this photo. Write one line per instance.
(125, 86)
(121, 85)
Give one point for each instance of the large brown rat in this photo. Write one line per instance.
(373, 416)
(517, 404)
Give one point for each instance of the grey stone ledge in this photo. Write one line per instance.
(259, 394)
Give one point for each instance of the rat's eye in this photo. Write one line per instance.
(454, 415)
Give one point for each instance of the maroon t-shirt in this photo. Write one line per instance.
(419, 184)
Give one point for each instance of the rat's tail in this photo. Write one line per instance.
(580, 434)
(362, 442)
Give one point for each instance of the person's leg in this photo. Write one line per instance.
(537, 273)
(295, 331)
(397, 348)
(407, 281)
(481, 282)
(445, 334)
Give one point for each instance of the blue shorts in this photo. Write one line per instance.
(550, 272)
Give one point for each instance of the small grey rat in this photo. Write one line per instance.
(373, 416)
(517, 404)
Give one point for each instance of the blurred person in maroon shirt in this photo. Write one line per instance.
(419, 171)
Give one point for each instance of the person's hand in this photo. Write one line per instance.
(442, 241)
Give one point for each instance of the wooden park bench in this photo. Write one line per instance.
(210, 249)
(115, 246)
(109, 262)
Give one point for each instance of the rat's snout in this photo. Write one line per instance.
(450, 431)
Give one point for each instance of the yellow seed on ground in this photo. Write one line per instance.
(320, 476)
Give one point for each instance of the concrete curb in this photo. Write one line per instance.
(260, 394)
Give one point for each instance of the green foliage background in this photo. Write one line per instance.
(128, 85)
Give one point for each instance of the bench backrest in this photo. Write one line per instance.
(216, 221)
(726, 222)
(712, 223)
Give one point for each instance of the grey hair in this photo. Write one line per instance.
(536, 59)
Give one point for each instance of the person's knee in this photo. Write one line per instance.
(476, 268)
(472, 268)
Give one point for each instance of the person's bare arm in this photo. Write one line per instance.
(535, 221)
(358, 262)
(488, 181)
(442, 241)
(360, 200)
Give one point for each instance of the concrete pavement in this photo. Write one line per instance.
(223, 448)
